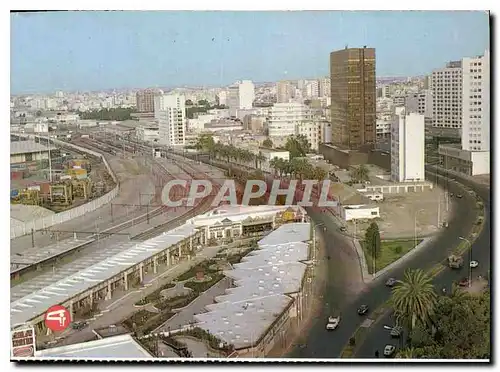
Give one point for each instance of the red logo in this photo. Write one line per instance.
(57, 318)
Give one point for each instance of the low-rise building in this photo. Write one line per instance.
(472, 163)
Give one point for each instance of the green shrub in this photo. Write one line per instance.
(398, 249)
(139, 318)
(203, 286)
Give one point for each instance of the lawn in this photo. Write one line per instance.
(390, 251)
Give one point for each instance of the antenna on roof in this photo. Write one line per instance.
(346, 46)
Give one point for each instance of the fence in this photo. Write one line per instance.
(49, 221)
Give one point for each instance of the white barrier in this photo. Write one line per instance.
(46, 222)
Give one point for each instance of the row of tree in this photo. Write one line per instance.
(441, 327)
(108, 114)
(295, 167)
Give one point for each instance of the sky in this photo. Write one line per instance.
(132, 49)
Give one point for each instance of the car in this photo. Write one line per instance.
(79, 325)
(396, 331)
(460, 196)
(363, 309)
(445, 225)
(389, 350)
(451, 194)
(464, 282)
(474, 264)
(391, 282)
(333, 323)
(343, 229)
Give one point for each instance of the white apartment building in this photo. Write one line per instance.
(421, 103)
(284, 118)
(316, 132)
(447, 96)
(311, 90)
(284, 92)
(324, 87)
(170, 112)
(241, 95)
(147, 134)
(383, 128)
(476, 103)
(222, 97)
(408, 147)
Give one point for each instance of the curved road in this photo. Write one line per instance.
(320, 343)
(379, 337)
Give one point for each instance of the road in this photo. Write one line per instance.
(322, 344)
(379, 337)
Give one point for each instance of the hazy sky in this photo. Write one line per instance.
(103, 50)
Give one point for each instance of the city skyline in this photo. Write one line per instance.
(90, 51)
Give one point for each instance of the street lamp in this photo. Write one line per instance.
(470, 258)
(415, 224)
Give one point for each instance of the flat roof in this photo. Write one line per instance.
(37, 302)
(27, 147)
(263, 278)
(35, 255)
(118, 347)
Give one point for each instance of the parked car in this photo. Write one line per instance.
(391, 282)
(460, 196)
(363, 309)
(396, 331)
(79, 325)
(333, 323)
(474, 264)
(389, 350)
(343, 228)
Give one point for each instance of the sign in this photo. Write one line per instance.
(57, 318)
(23, 343)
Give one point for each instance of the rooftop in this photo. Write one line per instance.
(20, 213)
(263, 278)
(37, 302)
(27, 147)
(119, 347)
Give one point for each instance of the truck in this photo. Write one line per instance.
(455, 262)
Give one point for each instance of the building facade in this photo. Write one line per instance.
(170, 112)
(145, 100)
(447, 96)
(476, 103)
(353, 97)
(284, 92)
(408, 147)
(420, 103)
(284, 118)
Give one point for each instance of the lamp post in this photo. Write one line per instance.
(415, 224)
(470, 258)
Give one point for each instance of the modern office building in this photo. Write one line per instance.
(324, 87)
(447, 96)
(170, 112)
(240, 96)
(145, 100)
(353, 97)
(407, 147)
(420, 103)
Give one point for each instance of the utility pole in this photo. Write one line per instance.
(32, 238)
(147, 213)
(111, 205)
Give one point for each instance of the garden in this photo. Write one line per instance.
(385, 252)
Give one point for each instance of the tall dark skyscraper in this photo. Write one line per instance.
(145, 100)
(353, 94)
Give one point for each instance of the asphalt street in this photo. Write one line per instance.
(320, 343)
(379, 337)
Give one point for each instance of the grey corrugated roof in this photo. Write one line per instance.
(27, 147)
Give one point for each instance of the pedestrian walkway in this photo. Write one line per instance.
(198, 349)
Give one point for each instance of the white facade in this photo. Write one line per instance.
(324, 87)
(383, 128)
(240, 95)
(284, 92)
(222, 97)
(447, 96)
(476, 103)
(284, 118)
(359, 212)
(408, 147)
(311, 90)
(41, 128)
(170, 111)
(147, 134)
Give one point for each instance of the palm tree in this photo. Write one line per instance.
(259, 158)
(408, 353)
(414, 298)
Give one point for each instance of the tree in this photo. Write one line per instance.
(267, 143)
(460, 329)
(118, 114)
(297, 146)
(203, 102)
(189, 102)
(372, 240)
(360, 174)
(414, 299)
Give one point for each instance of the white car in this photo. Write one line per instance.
(474, 264)
(389, 350)
(333, 323)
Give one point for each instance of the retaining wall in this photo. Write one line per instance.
(49, 221)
